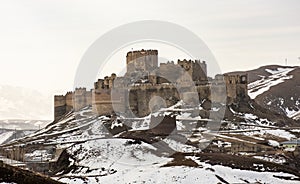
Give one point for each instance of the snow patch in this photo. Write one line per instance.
(260, 86)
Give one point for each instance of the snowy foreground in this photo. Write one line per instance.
(96, 156)
(123, 163)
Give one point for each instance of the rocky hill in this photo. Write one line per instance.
(276, 88)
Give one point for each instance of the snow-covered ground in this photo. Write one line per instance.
(277, 76)
(279, 133)
(38, 155)
(279, 160)
(295, 115)
(116, 161)
(101, 157)
(6, 136)
(289, 105)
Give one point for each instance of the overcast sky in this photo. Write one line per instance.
(42, 42)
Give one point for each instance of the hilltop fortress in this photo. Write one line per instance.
(147, 86)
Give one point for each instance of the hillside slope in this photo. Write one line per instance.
(276, 88)
(9, 174)
(111, 149)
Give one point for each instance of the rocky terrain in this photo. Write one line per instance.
(276, 88)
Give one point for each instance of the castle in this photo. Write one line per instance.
(145, 79)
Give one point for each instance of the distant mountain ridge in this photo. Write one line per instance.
(23, 124)
(25, 104)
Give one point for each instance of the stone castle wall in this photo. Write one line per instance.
(196, 69)
(143, 60)
(138, 97)
(71, 101)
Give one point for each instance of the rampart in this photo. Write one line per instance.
(161, 81)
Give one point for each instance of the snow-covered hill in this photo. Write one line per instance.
(111, 149)
(276, 88)
(277, 76)
(280, 91)
(116, 161)
(7, 135)
(15, 129)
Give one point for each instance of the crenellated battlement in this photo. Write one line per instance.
(141, 61)
(140, 53)
(185, 61)
(106, 83)
(57, 96)
(157, 80)
(196, 69)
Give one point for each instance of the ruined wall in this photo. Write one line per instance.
(231, 82)
(236, 87)
(242, 86)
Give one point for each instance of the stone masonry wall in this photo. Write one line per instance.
(234, 87)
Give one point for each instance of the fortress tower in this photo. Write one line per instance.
(141, 60)
(196, 69)
(110, 94)
(236, 86)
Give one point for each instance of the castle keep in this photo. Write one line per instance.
(148, 86)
